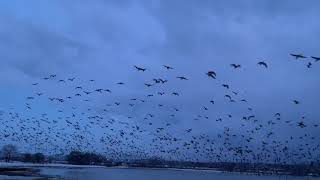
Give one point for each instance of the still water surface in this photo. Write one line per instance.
(154, 174)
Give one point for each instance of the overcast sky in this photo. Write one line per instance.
(104, 39)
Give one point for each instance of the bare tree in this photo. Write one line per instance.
(8, 151)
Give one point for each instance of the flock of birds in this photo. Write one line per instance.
(74, 125)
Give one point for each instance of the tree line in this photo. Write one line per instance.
(10, 153)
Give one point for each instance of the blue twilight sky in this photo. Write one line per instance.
(104, 39)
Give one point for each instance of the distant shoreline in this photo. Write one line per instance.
(30, 168)
(263, 173)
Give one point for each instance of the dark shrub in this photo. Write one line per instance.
(38, 158)
(27, 157)
(80, 158)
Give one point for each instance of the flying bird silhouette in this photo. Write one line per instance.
(107, 90)
(211, 74)
(226, 86)
(99, 90)
(157, 81)
(235, 66)
(296, 102)
(309, 65)
(182, 78)
(176, 94)
(297, 56)
(316, 59)
(161, 93)
(167, 67)
(140, 69)
(301, 124)
(262, 63)
(228, 96)
(148, 85)
(163, 81)
(86, 92)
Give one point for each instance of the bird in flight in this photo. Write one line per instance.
(157, 81)
(228, 96)
(309, 65)
(211, 74)
(297, 56)
(296, 102)
(99, 90)
(316, 59)
(161, 93)
(235, 66)
(34, 84)
(182, 78)
(262, 63)
(301, 124)
(176, 94)
(108, 90)
(226, 86)
(148, 85)
(167, 67)
(86, 92)
(140, 69)
(163, 81)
